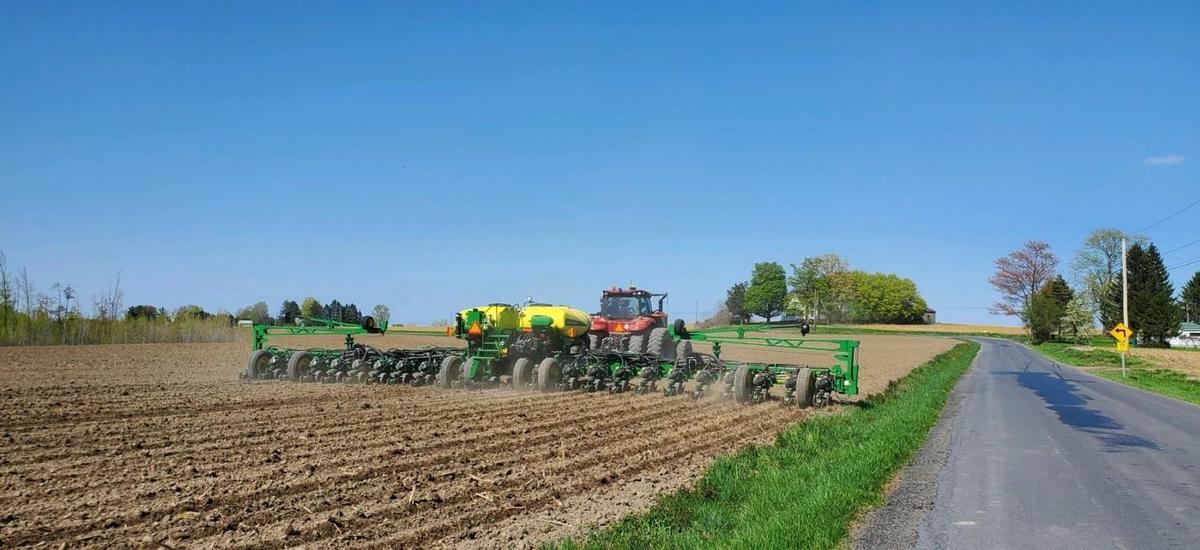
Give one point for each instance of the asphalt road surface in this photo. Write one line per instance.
(1029, 454)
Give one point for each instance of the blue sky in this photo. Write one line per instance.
(432, 158)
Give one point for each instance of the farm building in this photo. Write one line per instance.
(930, 316)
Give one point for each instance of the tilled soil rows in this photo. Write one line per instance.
(160, 445)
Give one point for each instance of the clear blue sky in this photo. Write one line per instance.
(434, 158)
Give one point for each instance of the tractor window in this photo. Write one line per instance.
(619, 307)
(646, 307)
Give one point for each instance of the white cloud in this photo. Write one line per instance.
(1165, 160)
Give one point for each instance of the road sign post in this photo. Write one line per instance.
(1122, 334)
(1124, 302)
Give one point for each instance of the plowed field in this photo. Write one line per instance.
(162, 446)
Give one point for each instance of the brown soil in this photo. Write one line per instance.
(161, 445)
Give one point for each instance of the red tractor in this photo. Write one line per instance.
(629, 322)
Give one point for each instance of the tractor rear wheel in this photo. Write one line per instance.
(522, 373)
(743, 384)
(451, 366)
(660, 344)
(257, 365)
(683, 351)
(805, 387)
(298, 365)
(636, 343)
(549, 374)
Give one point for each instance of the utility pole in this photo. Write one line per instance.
(1124, 296)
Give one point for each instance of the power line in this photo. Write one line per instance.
(1185, 209)
(1185, 264)
(1182, 247)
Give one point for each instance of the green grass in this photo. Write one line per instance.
(805, 489)
(1142, 373)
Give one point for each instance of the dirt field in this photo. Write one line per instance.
(948, 327)
(162, 446)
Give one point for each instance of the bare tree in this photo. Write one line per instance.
(7, 306)
(1020, 274)
(108, 306)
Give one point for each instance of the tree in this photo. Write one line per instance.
(735, 303)
(1190, 299)
(1020, 275)
(259, 313)
(1077, 320)
(767, 292)
(885, 298)
(1043, 315)
(1097, 267)
(310, 308)
(333, 311)
(1062, 293)
(191, 312)
(141, 312)
(350, 314)
(288, 312)
(381, 313)
(822, 286)
(1153, 315)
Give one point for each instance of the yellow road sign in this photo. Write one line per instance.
(1123, 346)
(1121, 332)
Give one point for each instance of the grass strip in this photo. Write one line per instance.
(1141, 373)
(805, 489)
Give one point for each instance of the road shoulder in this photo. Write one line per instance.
(912, 494)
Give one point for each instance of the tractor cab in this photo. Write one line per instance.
(625, 307)
(628, 314)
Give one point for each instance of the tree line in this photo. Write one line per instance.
(823, 289)
(30, 315)
(1032, 290)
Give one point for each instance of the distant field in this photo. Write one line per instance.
(946, 327)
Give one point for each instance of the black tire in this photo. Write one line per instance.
(298, 365)
(660, 344)
(549, 374)
(522, 373)
(743, 384)
(259, 360)
(636, 343)
(448, 373)
(680, 329)
(683, 350)
(805, 387)
(369, 325)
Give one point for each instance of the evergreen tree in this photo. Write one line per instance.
(1043, 314)
(288, 312)
(1190, 299)
(350, 314)
(333, 311)
(1058, 289)
(1153, 315)
(735, 303)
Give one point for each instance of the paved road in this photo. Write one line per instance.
(1043, 456)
